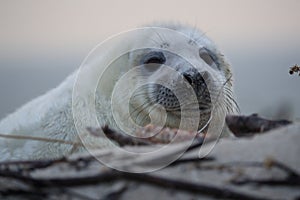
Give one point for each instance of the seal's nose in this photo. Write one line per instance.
(188, 77)
(193, 77)
(197, 81)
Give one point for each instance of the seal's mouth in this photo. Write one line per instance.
(203, 106)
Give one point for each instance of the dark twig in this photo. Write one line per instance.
(41, 139)
(113, 175)
(28, 165)
(268, 163)
(212, 191)
(289, 181)
(121, 138)
(191, 160)
(292, 178)
(25, 194)
(116, 193)
(196, 144)
(78, 195)
(243, 126)
(285, 168)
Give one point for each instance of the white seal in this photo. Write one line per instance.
(51, 115)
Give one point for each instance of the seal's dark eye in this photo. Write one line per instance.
(154, 57)
(207, 57)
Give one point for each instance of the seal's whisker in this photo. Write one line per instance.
(191, 36)
(203, 34)
(143, 94)
(158, 35)
(228, 96)
(150, 110)
(139, 110)
(154, 41)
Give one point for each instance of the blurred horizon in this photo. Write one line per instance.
(42, 42)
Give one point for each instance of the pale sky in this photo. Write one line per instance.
(69, 25)
(49, 39)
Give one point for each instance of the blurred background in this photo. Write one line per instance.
(41, 42)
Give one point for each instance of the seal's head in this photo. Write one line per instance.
(186, 77)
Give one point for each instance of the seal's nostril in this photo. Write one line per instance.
(188, 77)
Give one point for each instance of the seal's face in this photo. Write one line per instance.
(185, 79)
(201, 68)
